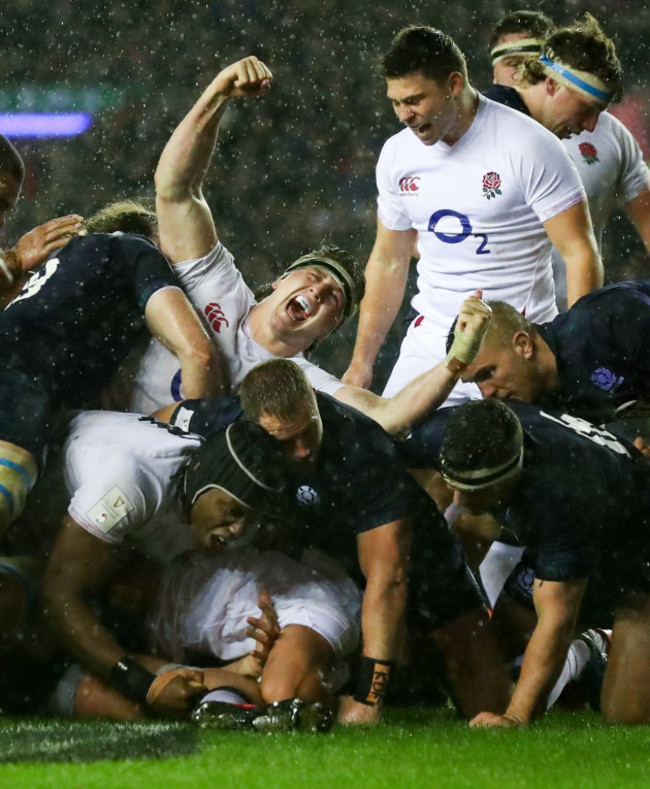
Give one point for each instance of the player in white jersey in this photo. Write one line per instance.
(314, 296)
(137, 483)
(608, 158)
(485, 191)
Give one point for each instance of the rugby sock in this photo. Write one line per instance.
(577, 658)
(226, 695)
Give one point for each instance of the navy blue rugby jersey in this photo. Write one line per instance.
(583, 501)
(602, 351)
(77, 318)
(503, 94)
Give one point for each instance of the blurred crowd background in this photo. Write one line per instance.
(293, 168)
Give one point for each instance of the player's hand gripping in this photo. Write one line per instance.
(472, 324)
(174, 693)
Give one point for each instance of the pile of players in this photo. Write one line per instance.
(199, 522)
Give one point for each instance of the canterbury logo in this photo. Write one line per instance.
(409, 184)
(215, 315)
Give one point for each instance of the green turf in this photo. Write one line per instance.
(412, 749)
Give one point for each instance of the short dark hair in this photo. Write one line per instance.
(582, 46)
(126, 216)
(480, 434)
(537, 24)
(278, 387)
(10, 160)
(423, 49)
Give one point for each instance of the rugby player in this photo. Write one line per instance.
(591, 530)
(486, 192)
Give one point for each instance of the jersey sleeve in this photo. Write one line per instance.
(206, 417)
(389, 207)
(217, 267)
(114, 504)
(549, 180)
(320, 379)
(635, 177)
(148, 266)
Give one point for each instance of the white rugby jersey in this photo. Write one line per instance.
(611, 166)
(121, 474)
(203, 603)
(219, 294)
(478, 207)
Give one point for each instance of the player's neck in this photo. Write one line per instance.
(467, 105)
(547, 365)
(533, 97)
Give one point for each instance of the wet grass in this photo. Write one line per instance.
(411, 749)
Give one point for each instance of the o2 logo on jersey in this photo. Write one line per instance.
(308, 496)
(409, 184)
(216, 316)
(452, 227)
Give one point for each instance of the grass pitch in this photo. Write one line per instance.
(411, 749)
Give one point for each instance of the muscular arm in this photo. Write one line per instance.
(386, 275)
(572, 235)
(172, 320)
(383, 558)
(638, 209)
(80, 563)
(557, 605)
(399, 414)
(187, 229)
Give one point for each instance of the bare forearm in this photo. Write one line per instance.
(186, 157)
(81, 632)
(382, 616)
(584, 274)
(385, 286)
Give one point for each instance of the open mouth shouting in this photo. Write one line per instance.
(299, 308)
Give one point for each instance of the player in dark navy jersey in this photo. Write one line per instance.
(580, 498)
(356, 501)
(66, 333)
(591, 360)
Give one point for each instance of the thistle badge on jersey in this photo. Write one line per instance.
(491, 184)
(606, 380)
(589, 152)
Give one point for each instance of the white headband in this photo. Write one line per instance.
(523, 46)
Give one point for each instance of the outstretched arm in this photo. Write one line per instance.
(386, 275)
(187, 229)
(399, 414)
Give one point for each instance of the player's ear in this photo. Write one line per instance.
(456, 83)
(523, 346)
(551, 86)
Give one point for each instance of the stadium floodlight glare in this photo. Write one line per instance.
(44, 124)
